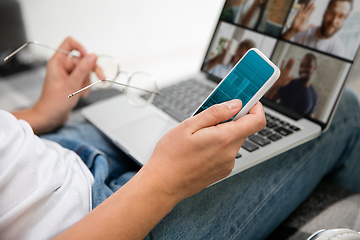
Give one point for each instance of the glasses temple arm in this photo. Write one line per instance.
(107, 80)
(72, 53)
(16, 51)
(89, 86)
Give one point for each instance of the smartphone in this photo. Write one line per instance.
(248, 81)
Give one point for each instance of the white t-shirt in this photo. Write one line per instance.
(221, 70)
(44, 188)
(309, 38)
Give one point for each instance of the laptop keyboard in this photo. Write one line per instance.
(275, 130)
(182, 99)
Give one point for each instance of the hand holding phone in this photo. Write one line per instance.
(248, 81)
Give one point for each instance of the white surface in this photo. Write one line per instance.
(344, 213)
(166, 38)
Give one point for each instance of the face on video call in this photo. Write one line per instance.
(334, 17)
(298, 93)
(307, 67)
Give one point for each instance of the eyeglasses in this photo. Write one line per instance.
(140, 88)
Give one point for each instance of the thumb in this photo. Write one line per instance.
(215, 114)
(82, 69)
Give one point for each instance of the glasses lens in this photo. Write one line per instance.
(141, 90)
(106, 68)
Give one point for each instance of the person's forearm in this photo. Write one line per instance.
(249, 13)
(187, 159)
(213, 62)
(37, 122)
(288, 34)
(130, 213)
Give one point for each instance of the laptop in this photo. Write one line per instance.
(297, 110)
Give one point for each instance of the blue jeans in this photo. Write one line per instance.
(251, 204)
(110, 167)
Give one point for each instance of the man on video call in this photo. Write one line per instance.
(321, 37)
(297, 93)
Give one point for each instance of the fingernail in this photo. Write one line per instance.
(233, 104)
(91, 58)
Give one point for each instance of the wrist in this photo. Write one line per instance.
(37, 122)
(45, 121)
(159, 186)
(292, 31)
(289, 33)
(140, 202)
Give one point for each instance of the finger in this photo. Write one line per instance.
(301, 9)
(248, 124)
(214, 115)
(81, 71)
(99, 72)
(290, 63)
(70, 44)
(86, 83)
(228, 46)
(282, 64)
(310, 7)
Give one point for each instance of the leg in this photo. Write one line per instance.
(251, 204)
(110, 167)
(86, 133)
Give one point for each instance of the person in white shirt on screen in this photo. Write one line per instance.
(321, 37)
(221, 64)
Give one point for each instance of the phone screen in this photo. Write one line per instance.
(244, 80)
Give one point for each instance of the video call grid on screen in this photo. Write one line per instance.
(246, 78)
(327, 68)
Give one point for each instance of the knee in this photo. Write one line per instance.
(348, 109)
(350, 97)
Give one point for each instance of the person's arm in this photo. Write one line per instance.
(220, 59)
(284, 79)
(314, 105)
(215, 61)
(196, 153)
(300, 22)
(64, 75)
(250, 12)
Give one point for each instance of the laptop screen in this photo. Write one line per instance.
(314, 43)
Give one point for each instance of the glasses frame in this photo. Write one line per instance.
(75, 53)
(129, 76)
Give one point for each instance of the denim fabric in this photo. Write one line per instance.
(110, 167)
(249, 205)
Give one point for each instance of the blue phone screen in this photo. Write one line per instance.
(243, 81)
